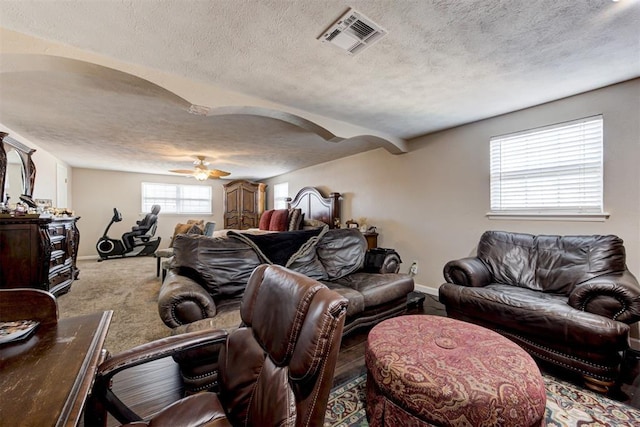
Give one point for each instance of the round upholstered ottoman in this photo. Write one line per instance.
(432, 370)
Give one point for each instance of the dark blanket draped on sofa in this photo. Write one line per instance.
(281, 248)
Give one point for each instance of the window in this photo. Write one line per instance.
(177, 198)
(550, 171)
(280, 194)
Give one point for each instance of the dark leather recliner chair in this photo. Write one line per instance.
(567, 300)
(277, 369)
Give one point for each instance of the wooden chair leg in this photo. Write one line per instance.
(599, 386)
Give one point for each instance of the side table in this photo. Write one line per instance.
(372, 239)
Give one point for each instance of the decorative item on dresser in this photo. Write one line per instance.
(26, 176)
(39, 253)
(244, 202)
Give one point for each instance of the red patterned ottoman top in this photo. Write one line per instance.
(450, 372)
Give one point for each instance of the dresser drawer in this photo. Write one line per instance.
(58, 243)
(57, 230)
(58, 258)
(60, 276)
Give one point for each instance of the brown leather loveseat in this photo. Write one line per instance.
(568, 300)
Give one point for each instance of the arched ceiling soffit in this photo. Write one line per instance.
(394, 147)
(70, 107)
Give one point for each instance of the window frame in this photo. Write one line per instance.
(280, 198)
(179, 199)
(592, 212)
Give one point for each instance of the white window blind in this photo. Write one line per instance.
(551, 170)
(280, 194)
(176, 198)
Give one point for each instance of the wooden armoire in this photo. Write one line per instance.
(244, 202)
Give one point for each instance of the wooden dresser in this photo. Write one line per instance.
(39, 253)
(244, 202)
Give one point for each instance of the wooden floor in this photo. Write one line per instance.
(157, 385)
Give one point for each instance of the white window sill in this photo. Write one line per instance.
(536, 216)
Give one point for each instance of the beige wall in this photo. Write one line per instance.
(430, 203)
(97, 192)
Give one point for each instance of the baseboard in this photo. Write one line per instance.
(88, 257)
(426, 289)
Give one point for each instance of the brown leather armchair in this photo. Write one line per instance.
(276, 369)
(567, 300)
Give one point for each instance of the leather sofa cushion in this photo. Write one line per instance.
(542, 317)
(377, 289)
(549, 263)
(355, 298)
(342, 251)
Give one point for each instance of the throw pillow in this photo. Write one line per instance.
(265, 219)
(198, 222)
(279, 220)
(189, 228)
(295, 218)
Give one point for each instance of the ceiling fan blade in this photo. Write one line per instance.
(217, 173)
(185, 171)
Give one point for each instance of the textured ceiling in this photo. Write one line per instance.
(109, 85)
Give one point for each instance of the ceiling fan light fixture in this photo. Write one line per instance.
(201, 174)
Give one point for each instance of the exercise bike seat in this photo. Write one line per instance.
(144, 231)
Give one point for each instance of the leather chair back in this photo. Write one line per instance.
(279, 369)
(550, 263)
(149, 220)
(27, 303)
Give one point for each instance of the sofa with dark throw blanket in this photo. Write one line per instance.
(567, 300)
(209, 274)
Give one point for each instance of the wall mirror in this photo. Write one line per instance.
(17, 170)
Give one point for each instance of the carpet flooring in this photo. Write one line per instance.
(129, 287)
(567, 406)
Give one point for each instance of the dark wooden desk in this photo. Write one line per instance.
(44, 381)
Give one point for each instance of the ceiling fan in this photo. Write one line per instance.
(200, 171)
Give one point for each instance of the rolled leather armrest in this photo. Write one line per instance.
(382, 261)
(391, 263)
(467, 272)
(616, 296)
(182, 300)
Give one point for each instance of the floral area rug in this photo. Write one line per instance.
(567, 406)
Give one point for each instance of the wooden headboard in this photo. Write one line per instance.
(315, 205)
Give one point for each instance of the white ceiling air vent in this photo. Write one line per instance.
(353, 32)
